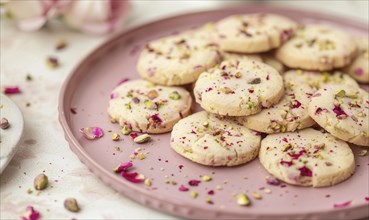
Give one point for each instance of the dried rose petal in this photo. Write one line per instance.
(211, 192)
(286, 163)
(155, 118)
(339, 112)
(366, 199)
(304, 171)
(359, 71)
(271, 180)
(194, 182)
(298, 155)
(30, 214)
(124, 167)
(133, 135)
(92, 133)
(182, 188)
(133, 177)
(12, 90)
(342, 205)
(296, 104)
(113, 95)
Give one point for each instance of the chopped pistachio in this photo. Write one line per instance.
(206, 178)
(141, 156)
(40, 182)
(219, 187)
(142, 139)
(152, 94)
(206, 124)
(115, 137)
(126, 130)
(363, 153)
(209, 200)
(341, 93)
(243, 200)
(255, 81)
(237, 75)
(150, 105)
(71, 204)
(175, 95)
(194, 194)
(147, 182)
(226, 90)
(256, 195)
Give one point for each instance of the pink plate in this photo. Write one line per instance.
(87, 91)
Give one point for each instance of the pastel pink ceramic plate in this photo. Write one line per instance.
(87, 91)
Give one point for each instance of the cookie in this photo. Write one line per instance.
(214, 140)
(307, 158)
(343, 111)
(238, 88)
(359, 68)
(144, 107)
(291, 113)
(177, 60)
(317, 47)
(253, 33)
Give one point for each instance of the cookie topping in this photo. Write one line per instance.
(4, 123)
(255, 81)
(92, 133)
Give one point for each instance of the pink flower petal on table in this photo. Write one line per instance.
(92, 133)
(30, 214)
(124, 166)
(182, 188)
(113, 95)
(194, 182)
(12, 90)
(133, 177)
(366, 199)
(273, 181)
(342, 205)
(133, 135)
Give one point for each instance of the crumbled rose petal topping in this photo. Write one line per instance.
(359, 71)
(182, 188)
(304, 171)
(296, 104)
(339, 112)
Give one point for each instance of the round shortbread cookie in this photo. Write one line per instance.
(343, 111)
(177, 60)
(253, 33)
(359, 68)
(214, 140)
(317, 47)
(307, 158)
(291, 113)
(238, 88)
(144, 107)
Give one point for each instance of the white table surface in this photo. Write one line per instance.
(43, 147)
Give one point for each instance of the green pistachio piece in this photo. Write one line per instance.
(142, 139)
(40, 182)
(243, 200)
(71, 204)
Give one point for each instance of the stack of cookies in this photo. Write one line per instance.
(255, 75)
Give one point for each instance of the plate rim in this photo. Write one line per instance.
(14, 149)
(127, 188)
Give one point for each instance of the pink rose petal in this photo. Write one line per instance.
(298, 155)
(92, 133)
(182, 188)
(296, 104)
(133, 135)
(304, 171)
(194, 182)
(339, 112)
(12, 90)
(286, 163)
(30, 214)
(124, 166)
(273, 181)
(133, 177)
(342, 205)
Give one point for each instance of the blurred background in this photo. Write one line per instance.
(28, 40)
